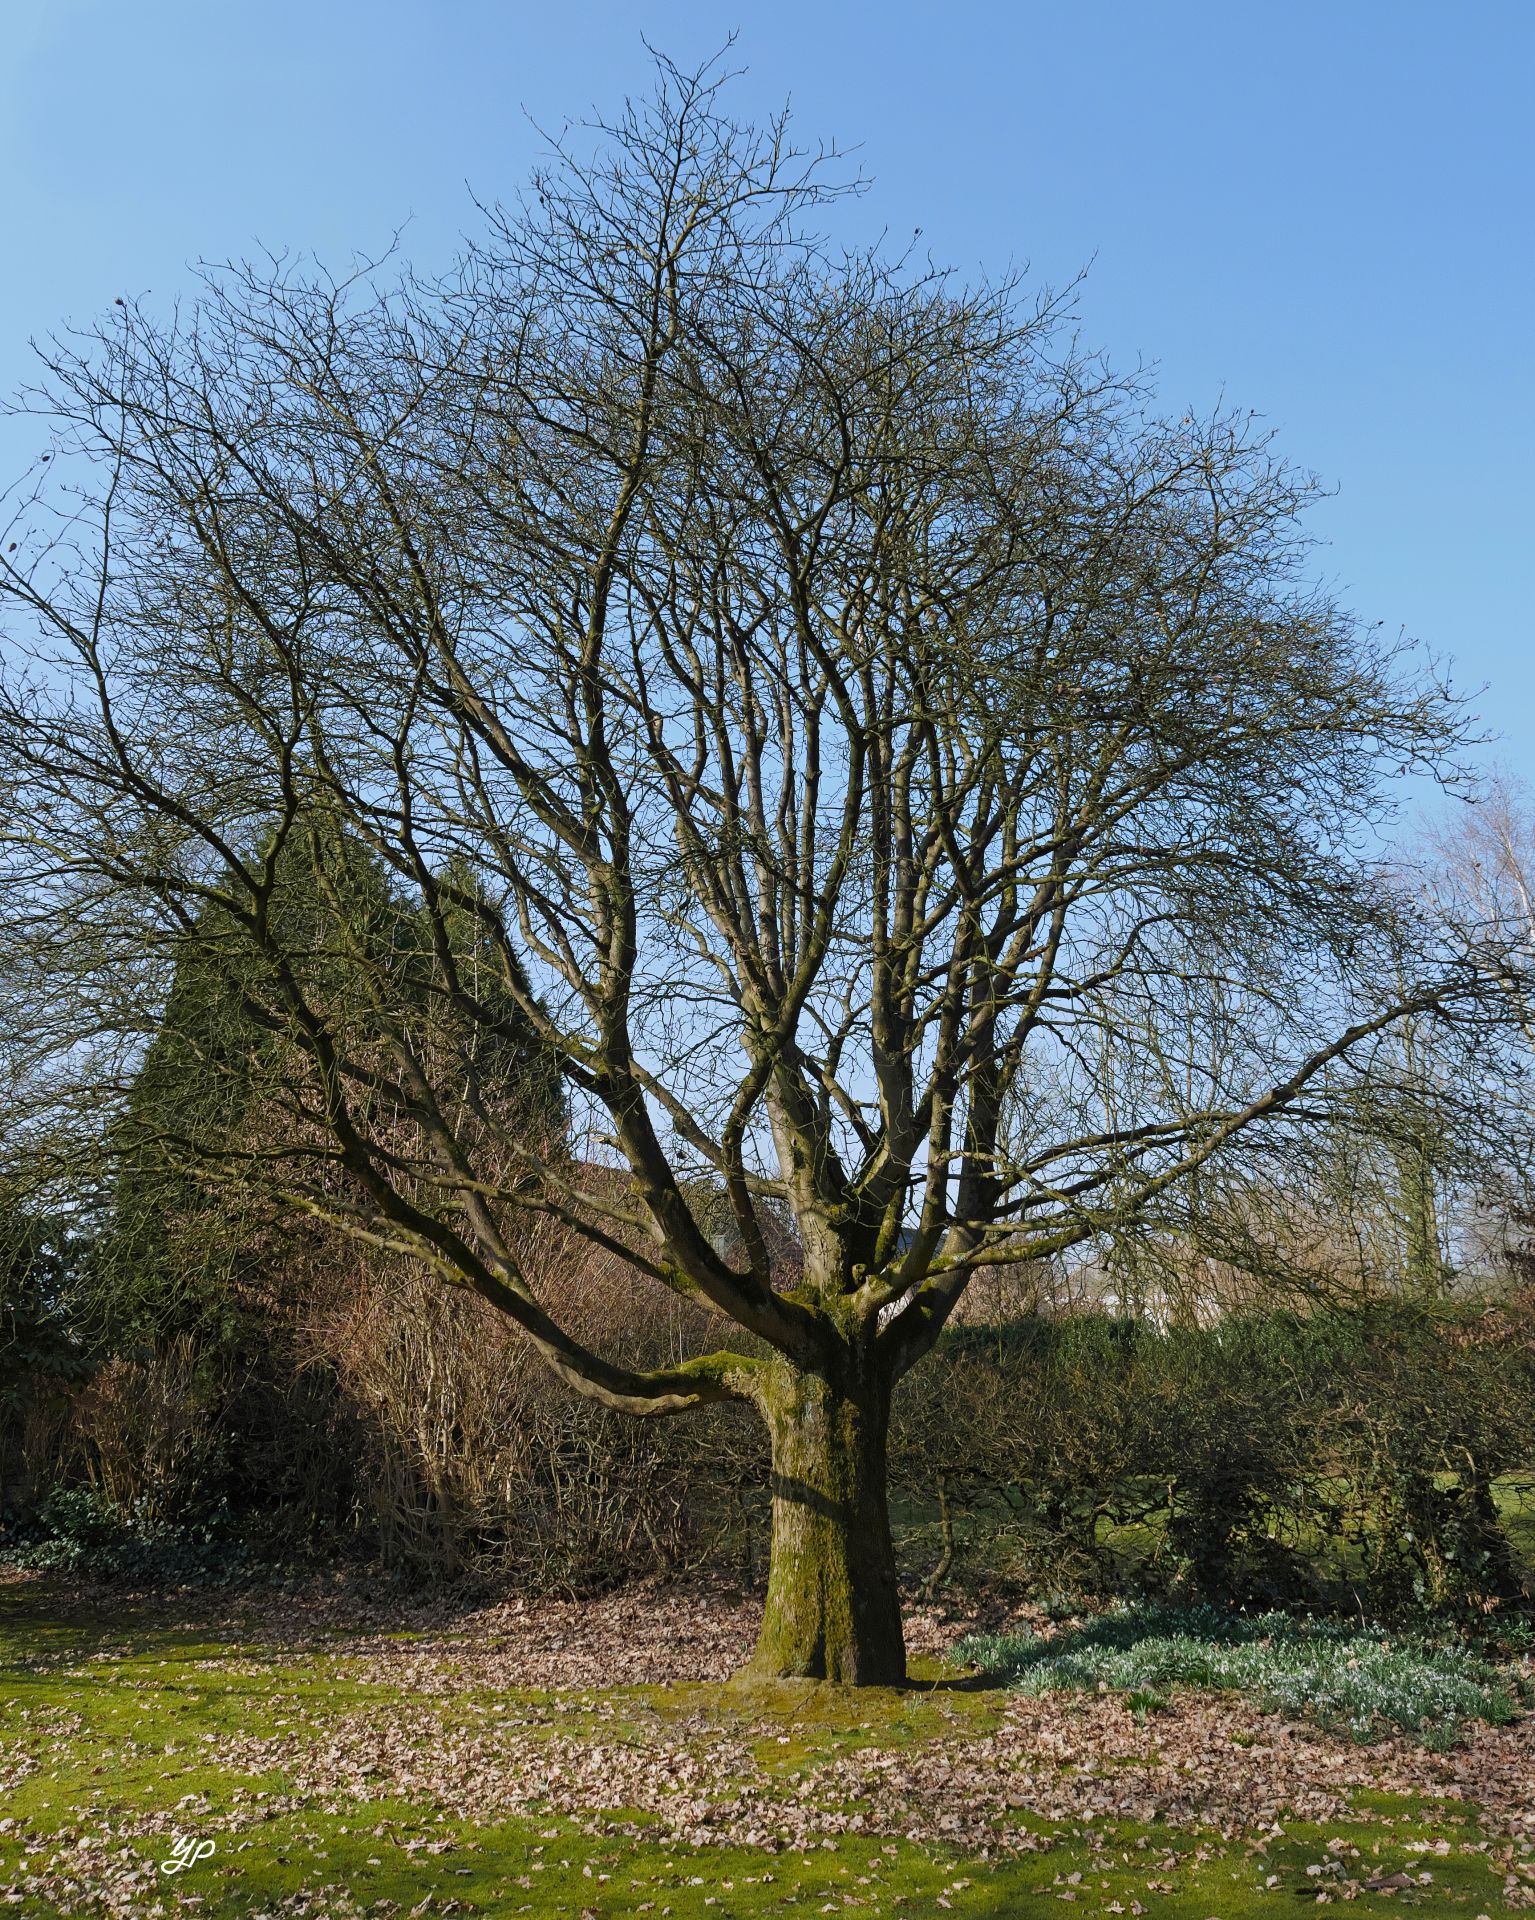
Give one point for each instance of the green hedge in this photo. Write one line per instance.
(1349, 1459)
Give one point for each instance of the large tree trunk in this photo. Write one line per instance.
(833, 1611)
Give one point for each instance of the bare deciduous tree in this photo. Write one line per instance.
(908, 787)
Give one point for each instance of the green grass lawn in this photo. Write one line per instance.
(348, 1776)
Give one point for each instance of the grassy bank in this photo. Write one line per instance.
(341, 1769)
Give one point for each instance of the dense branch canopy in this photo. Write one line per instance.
(904, 784)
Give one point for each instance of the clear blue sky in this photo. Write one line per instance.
(1323, 208)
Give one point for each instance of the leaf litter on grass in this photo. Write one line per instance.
(479, 1747)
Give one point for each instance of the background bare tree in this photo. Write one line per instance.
(905, 785)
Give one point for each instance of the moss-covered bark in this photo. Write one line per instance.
(833, 1610)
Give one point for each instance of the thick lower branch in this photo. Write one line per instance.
(692, 1383)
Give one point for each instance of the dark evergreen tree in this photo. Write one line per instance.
(188, 1238)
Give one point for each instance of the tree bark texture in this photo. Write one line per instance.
(833, 1610)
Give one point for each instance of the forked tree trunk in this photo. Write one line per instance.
(833, 1610)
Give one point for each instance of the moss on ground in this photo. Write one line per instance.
(114, 1738)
